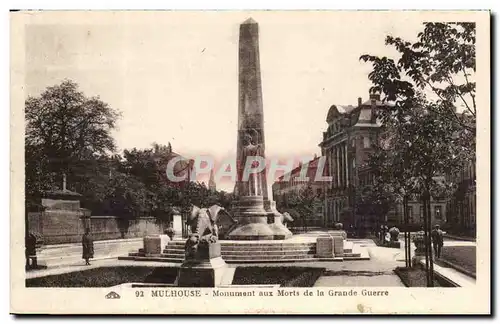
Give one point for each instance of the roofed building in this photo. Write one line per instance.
(346, 144)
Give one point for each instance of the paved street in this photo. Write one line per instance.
(71, 254)
(376, 272)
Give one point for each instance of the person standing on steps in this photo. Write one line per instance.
(88, 246)
(437, 241)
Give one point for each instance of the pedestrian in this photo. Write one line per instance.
(30, 250)
(88, 246)
(437, 241)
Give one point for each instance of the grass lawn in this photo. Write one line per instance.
(464, 256)
(112, 276)
(284, 276)
(106, 277)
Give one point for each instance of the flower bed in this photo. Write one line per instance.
(415, 277)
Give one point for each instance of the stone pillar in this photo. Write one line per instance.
(253, 203)
(205, 269)
(154, 244)
(324, 247)
(341, 165)
(330, 164)
(337, 164)
(338, 245)
(334, 207)
(346, 165)
(177, 226)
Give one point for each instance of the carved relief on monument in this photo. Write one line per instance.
(251, 146)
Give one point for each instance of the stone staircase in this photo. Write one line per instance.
(251, 252)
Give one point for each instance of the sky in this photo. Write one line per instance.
(174, 76)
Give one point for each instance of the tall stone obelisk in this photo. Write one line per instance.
(252, 208)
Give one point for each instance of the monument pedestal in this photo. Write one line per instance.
(280, 231)
(205, 269)
(252, 215)
(252, 232)
(155, 244)
(252, 220)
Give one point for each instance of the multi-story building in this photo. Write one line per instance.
(461, 207)
(439, 210)
(347, 144)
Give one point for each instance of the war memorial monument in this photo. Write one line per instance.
(254, 232)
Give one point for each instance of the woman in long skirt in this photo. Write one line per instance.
(88, 247)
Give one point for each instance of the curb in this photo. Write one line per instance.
(460, 238)
(67, 245)
(397, 271)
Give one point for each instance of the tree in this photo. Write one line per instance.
(373, 202)
(440, 64)
(419, 149)
(299, 204)
(432, 78)
(64, 127)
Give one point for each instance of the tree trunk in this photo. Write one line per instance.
(426, 240)
(405, 221)
(407, 232)
(428, 244)
(431, 261)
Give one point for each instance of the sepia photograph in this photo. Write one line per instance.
(250, 162)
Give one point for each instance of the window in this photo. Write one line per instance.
(410, 214)
(366, 142)
(422, 214)
(437, 212)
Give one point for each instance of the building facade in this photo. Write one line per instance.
(461, 207)
(347, 144)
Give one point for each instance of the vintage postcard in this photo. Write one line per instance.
(250, 162)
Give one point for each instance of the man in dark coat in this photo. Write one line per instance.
(30, 250)
(437, 241)
(88, 246)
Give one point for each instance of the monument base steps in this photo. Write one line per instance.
(259, 252)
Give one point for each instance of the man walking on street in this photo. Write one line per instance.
(437, 241)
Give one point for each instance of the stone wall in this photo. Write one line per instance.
(65, 226)
(57, 226)
(109, 227)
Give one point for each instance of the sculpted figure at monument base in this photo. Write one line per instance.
(203, 265)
